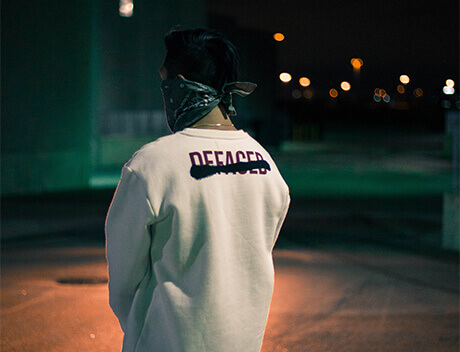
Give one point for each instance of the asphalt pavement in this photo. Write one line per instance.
(356, 298)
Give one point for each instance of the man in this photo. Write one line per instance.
(192, 225)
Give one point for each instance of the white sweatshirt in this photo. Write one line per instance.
(189, 246)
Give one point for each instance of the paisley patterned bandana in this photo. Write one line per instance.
(186, 101)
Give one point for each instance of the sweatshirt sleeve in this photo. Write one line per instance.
(128, 242)
(282, 217)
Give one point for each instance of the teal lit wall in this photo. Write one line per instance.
(46, 95)
(130, 54)
(64, 64)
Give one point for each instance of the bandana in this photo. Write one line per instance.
(186, 101)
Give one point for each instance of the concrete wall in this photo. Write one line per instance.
(65, 64)
(131, 52)
(46, 105)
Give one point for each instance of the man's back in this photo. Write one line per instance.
(190, 262)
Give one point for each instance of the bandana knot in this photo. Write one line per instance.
(186, 101)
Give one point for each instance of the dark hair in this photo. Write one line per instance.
(201, 55)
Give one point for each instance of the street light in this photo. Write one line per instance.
(126, 8)
(450, 83)
(304, 81)
(448, 90)
(404, 79)
(279, 37)
(285, 77)
(345, 86)
(356, 63)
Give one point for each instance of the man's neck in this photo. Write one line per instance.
(216, 119)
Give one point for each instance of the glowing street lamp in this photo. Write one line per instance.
(345, 86)
(448, 90)
(126, 8)
(304, 81)
(285, 77)
(356, 63)
(279, 37)
(404, 79)
(450, 83)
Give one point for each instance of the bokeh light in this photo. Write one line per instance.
(380, 92)
(345, 86)
(418, 92)
(450, 83)
(296, 94)
(404, 79)
(285, 77)
(304, 81)
(126, 8)
(333, 93)
(386, 98)
(308, 93)
(356, 63)
(279, 37)
(448, 90)
(401, 89)
(377, 98)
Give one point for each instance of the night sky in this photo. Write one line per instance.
(417, 38)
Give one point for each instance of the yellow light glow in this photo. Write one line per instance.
(345, 86)
(418, 92)
(404, 79)
(356, 63)
(450, 83)
(333, 93)
(376, 91)
(285, 77)
(279, 37)
(400, 89)
(382, 92)
(304, 81)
